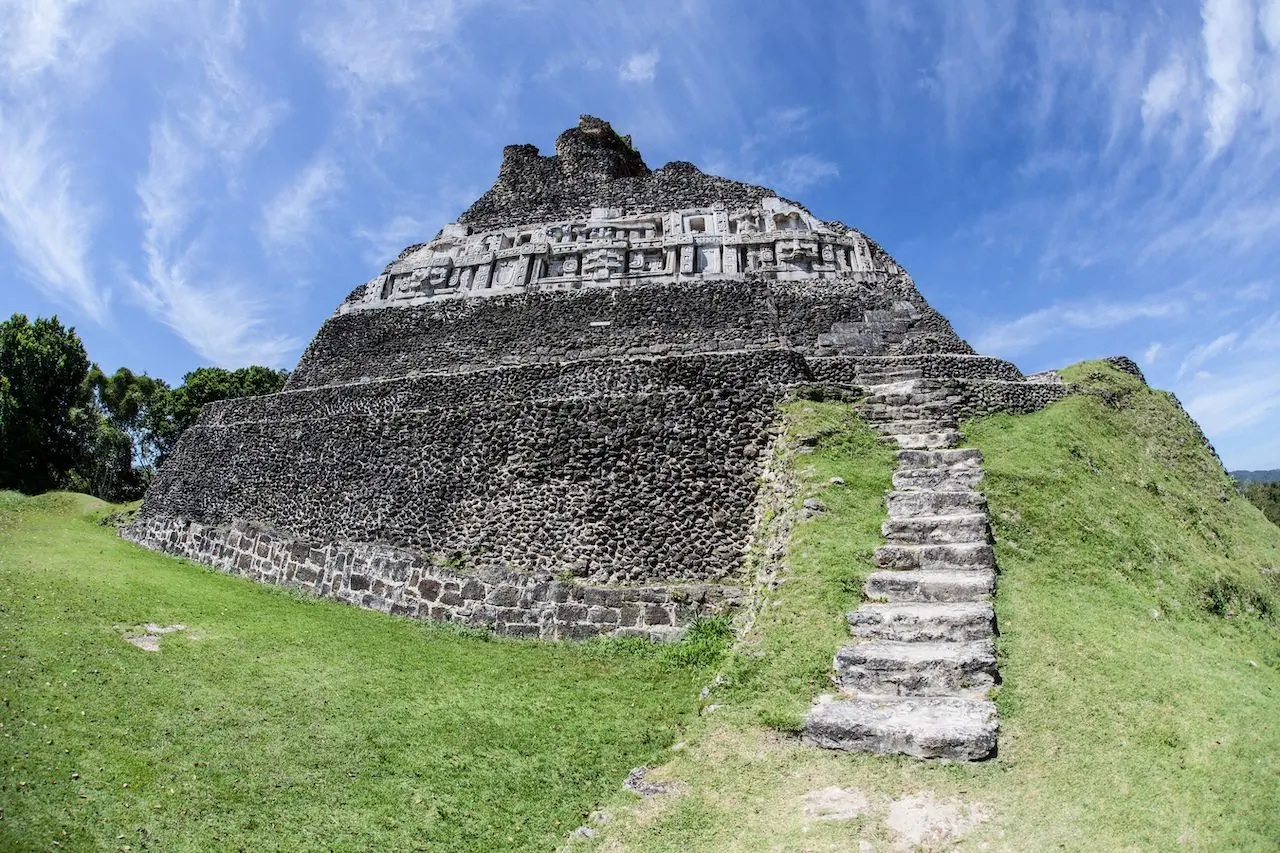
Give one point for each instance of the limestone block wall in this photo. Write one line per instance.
(648, 477)
(827, 317)
(845, 370)
(980, 397)
(407, 583)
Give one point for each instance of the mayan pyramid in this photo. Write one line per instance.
(553, 418)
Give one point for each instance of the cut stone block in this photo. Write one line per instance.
(940, 479)
(938, 727)
(936, 529)
(931, 585)
(930, 440)
(886, 667)
(953, 457)
(962, 556)
(913, 622)
(922, 503)
(914, 427)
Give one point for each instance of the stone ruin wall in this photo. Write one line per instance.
(646, 477)
(555, 428)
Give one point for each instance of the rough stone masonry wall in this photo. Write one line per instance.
(648, 478)
(405, 583)
(678, 318)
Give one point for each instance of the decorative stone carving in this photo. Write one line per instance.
(776, 239)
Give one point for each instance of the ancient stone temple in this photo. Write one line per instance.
(552, 420)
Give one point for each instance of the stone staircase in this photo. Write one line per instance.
(917, 676)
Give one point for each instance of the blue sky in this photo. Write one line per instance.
(194, 182)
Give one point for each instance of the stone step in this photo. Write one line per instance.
(952, 457)
(895, 399)
(938, 727)
(966, 556)
(916, 411)
(930, 440)
(936, 529)
(939, 479)
(917, 427)
(924, 503)
(914, 622)
(909, 386)
(884, 667)
(939, 585)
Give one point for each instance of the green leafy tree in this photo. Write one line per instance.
(1266, 497)
(45, 405)
(115, 464)
(172, 412)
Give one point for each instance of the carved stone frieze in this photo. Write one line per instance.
(776, 240)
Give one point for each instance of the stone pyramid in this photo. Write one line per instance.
(552, 420)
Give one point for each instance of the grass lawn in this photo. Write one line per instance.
(1139, 611)
(280, 723)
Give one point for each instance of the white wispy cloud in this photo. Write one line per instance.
(1224, 404)
(49, 227)
(371, 50)
(222, 121)
(974, 50)
(1203, 353)
(50, 58)
(798, 173)
(387, 240)
(639, 67)
(1234, 390)
(41, 38)
(1018, 335)
(1228, 41)
(1152, 352)
(289, 217)
(1164, 92)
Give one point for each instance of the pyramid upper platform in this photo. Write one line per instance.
(594, 167)
(594, 215)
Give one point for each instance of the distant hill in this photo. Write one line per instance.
(1272, 476)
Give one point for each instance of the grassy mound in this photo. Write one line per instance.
(1138, 604)
(275, 722)
(1140, 649)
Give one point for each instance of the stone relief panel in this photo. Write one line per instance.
(776, 240)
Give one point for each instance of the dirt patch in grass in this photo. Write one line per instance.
(149, 640)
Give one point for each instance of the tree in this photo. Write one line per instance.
(44, 403)
(115, 464)
(1266, 497)
(174, 411)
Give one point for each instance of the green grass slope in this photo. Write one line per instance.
(280, 723)
(1140, 649)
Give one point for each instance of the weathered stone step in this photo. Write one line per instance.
(904, 398)
(921, 411)
(942, 479)
(936, 529)
(885, 667)
(914, 622)
(929, 441)
(962, 556)
(918, 427)
(938, 727)
(953, 457)
(910, 386)
(923, 503)
(944, 585)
